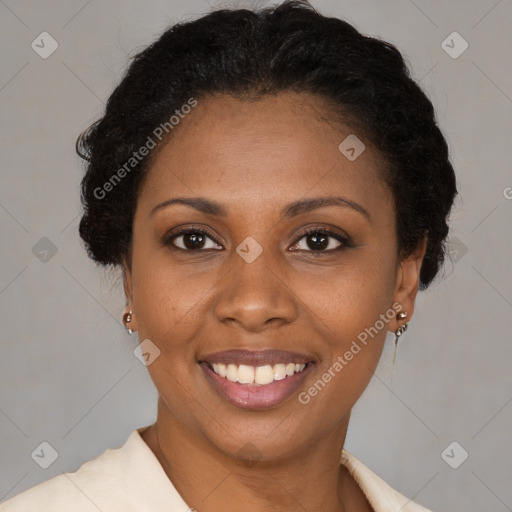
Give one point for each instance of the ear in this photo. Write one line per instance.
(127, 281)
(407, 282)
(128, 291)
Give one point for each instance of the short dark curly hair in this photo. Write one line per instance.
(249, 54)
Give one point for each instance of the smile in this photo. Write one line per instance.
(256, 379)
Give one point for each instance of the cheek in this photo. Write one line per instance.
(353, 322)
(351, 310)
(169, 300)
(349, 298)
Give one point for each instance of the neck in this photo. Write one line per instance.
(210, 480)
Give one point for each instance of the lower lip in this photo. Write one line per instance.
(251, 396)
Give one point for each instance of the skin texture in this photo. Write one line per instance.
(255, 158)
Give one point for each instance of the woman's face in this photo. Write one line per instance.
(233, 277)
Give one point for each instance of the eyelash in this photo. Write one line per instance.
(345, 241)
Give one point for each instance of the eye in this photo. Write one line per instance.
(321, 240)
(191, 239)
(315, 240)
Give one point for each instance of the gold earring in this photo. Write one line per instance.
(400, 330)
(127, 318)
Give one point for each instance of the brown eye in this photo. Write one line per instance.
(192, 240)
(321, 240)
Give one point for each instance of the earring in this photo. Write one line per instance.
(127, 318)
(400, 330)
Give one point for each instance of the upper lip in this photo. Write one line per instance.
(257, 358)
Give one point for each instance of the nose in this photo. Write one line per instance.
(255, 296)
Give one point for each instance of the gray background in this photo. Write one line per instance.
(68, 375)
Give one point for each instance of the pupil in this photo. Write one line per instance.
(319, 241)
(193, 240)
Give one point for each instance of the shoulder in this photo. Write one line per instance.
(382, 497)
(60, 491)
(124, 479)
(85, 488)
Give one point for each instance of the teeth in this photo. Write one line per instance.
(246, 374)
(232, 372)
(259, 375)
(264, 374)
(279, 371)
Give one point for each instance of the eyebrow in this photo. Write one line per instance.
(293, 209)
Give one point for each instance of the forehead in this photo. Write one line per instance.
(264, 152)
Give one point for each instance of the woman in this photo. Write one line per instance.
(275, 189)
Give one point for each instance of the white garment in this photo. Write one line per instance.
(131, 479)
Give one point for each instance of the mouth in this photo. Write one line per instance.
(256, 380)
